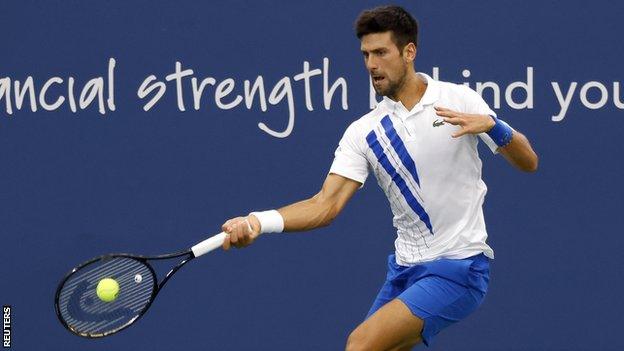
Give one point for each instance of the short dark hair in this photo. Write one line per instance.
(388, 18)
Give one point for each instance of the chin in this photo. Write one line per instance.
(381, 92)
(385, 91)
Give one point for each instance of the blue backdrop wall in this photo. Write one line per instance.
(147, 175)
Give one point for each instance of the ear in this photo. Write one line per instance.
(409, 52)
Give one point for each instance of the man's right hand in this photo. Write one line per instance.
(242, 231)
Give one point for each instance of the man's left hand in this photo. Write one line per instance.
(469, 123)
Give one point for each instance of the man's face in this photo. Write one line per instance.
(385, 63)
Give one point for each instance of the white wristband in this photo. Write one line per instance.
(270, 221)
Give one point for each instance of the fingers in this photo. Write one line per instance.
(448, 113)
(226, 242)
(469, 123)
(239, 233)
(450, 116)
(227, 226)
(445, 112)
(461, 132)
(456, 121)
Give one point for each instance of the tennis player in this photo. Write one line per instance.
(420, 142)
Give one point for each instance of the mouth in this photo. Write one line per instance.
(378, 79)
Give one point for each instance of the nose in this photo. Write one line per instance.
(371, 64)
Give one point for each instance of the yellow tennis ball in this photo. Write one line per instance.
(107, 289)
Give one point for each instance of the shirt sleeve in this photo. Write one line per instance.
(350, 156)
(476, 105)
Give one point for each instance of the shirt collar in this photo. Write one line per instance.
(432, 92)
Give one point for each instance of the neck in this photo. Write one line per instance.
(411, 91)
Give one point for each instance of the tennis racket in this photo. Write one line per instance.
(83, 313)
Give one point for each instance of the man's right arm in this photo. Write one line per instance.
(317, 211)
(321, 209)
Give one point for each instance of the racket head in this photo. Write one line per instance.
(83, 313)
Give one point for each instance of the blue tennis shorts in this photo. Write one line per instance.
(439, 292)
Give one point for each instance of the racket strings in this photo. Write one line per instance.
(86, 314)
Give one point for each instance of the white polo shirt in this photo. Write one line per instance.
(432, 181)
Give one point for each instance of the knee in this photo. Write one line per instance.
(357, 341)
(362, 339)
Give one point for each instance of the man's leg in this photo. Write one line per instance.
(392, 327)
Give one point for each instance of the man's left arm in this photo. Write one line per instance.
(513, 145)
(520, 153)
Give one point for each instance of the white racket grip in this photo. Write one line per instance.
(208, 245)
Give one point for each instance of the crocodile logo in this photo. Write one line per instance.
(438, 123)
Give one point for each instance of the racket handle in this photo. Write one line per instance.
(208, 245)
